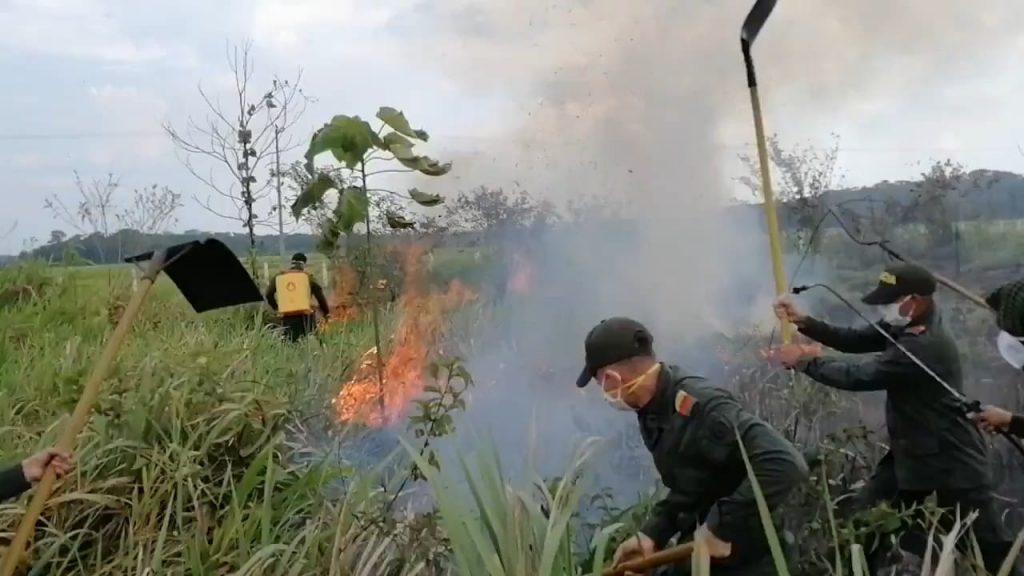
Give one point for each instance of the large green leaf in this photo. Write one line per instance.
(347, 138)
(422, 164)
(428, 166)
(396, 120)
(425, 199)
(395, 139)
(351, 208)
(312, 194)
(398, 222)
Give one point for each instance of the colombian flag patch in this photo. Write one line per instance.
(684, 403)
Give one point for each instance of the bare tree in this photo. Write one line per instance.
(801, 176)
(99, 212)
(152, 210)
(240, 138)
(94, 215)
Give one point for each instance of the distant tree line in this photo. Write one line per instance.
(97, 248)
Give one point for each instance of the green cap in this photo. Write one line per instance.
(901, 280)
(1008, 302)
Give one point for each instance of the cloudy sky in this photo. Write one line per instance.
(555, 95)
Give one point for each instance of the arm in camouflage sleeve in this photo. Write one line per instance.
(849, 340)
(664, 521)
(877, 373)
(776, 464)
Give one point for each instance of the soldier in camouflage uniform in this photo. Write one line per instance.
(934, 449)
(691, 429)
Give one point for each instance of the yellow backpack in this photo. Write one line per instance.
(293, 293)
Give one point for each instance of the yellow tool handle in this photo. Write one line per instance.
(774, 238)
(80, 417)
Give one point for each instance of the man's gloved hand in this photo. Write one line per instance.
(634, 548)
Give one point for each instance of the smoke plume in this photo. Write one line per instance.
(642, 103)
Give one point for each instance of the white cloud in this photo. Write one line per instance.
(80, 29)
(311, 27)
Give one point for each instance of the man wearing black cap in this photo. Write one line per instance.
(933, 448)
(1008, 303)
(297, 289)
(691, 429)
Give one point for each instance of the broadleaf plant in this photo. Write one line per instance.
(358, 148)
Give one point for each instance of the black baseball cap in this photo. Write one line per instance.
(614, 340)
(1008, 302)
(898, 281)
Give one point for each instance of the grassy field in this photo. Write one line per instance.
(213, 450)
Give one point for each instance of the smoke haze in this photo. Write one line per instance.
(642, 103)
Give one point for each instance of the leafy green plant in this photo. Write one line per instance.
(354, 144)
(359, 148)
(508, 531)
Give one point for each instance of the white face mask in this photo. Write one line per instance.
(890, 314)
(1011, 349)
(616, 398)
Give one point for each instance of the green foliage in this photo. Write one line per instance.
(433, 418)
(197, 459)
(347, 138)
(356, 146)
(395, 120)
(505, 530)
(424, 199)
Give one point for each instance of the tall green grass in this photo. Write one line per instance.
(198, 458)
(212, 451)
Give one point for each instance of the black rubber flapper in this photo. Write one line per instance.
(207, 273)
(755, 20)
(752, 25)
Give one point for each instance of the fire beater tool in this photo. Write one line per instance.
(755, 19)
(967, 406)
(209, 276)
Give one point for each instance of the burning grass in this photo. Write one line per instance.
(379, 391)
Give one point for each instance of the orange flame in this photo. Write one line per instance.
(368, 399)
(521, 279)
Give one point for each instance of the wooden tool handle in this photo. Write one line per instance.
(80, 417)
(667, 556)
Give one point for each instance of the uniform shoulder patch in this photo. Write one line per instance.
(684, 403)
(917, 330)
